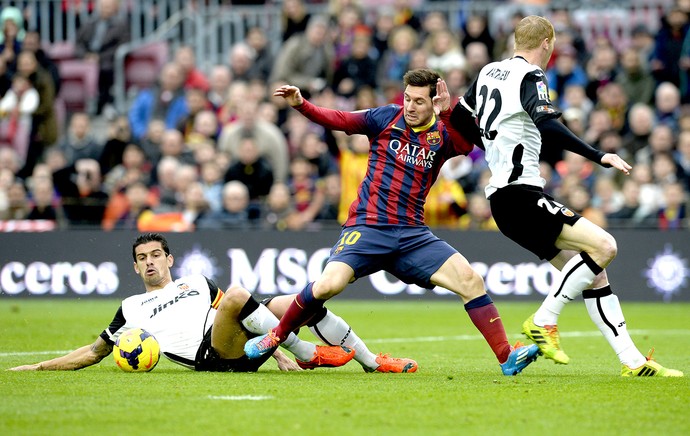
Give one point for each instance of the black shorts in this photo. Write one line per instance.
(207, 359)
(531, 218)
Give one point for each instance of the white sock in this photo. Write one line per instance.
(605, 310)
(577, 275)
(262, 320)
(333, 330)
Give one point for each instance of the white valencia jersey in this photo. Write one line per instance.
(177, 315)
(508, 98)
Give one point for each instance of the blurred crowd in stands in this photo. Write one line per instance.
(214, 150)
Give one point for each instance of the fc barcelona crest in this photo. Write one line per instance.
(433, 138)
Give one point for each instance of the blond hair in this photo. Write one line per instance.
(531, 31)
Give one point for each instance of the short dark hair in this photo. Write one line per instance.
(422, 77)
(150, 237)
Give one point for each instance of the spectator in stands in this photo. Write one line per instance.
(164, 186)
(219, 84)
(134, 166)
(306, 189)
(306, 60)
(279, 212)
(580, 200)
(566, 71)
(476, 30)
(234, 214)
(477, 55)
(667, 103)
(32, 43)
(635, 80)
(16, 110)
(601, 69)
(384, 24)
(212, 184)
(631, 212)
(119, 135)
(83, 199)
(79, 142)
(433, 21)
(194, 205)
(642, 42)
(44, 204)
(238, 93)
(682, 157)
(641, 120)
(257, 39)
(44, 129)
(164, 101)
(294, 18)
(204, 129)
(575, 97)
(478, 216)
(11, 35)
(578, 166)
(404, 14)
(650, 193)
(269, 138)
(151, 141)
(137, 195)
(606, 196)
(344, 26)
(97, 41)
(358, 68)
(612, 98)
(173, 145)
(17, 202)
(443, 51)
(446, 203)
(251, 169)
(196, 102)
(674, 214)
(193, 78)
(664, 170)
(241, 60)
(315, 150)
(599, 122)
(661, 141)
(668, 45)
(396, 60)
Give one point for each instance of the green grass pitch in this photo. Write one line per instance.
(458, 389)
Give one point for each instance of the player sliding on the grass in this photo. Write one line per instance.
(385, 229)
(507, 111)
(201, 327)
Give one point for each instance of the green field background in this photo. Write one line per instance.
(458, 389)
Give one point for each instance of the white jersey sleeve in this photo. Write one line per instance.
(508, 99)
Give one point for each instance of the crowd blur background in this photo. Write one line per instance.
(158, 115)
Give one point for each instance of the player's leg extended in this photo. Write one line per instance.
(306, 304)
(457, 275)
(585, 250)
(334, 330)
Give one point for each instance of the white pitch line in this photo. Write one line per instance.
(576, 334)
(241, 397)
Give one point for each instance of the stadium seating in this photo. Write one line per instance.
(143, 64)
(79, 84)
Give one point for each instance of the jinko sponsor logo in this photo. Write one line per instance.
(667, 273)
(40, 278)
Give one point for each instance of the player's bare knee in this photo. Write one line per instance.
(607, 250)
(235, 297)
(326, 288)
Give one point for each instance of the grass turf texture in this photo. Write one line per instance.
(458, 389)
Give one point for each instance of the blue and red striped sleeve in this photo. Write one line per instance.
(348, 122)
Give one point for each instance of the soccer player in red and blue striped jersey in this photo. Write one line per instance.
(385, 228)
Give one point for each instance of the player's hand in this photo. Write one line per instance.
(442, 99)
(34, 367)
(617, 162)
(290, 93)
(284, 362)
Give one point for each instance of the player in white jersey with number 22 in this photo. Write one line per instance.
(507, 112)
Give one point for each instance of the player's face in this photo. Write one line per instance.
(153, 265)
(418, 107)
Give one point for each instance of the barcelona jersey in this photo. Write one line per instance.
(403, 164)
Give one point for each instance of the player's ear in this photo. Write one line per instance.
(136, 268)
(171, 260)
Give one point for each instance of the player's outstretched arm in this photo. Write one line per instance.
(80, 358)
(284, 362)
